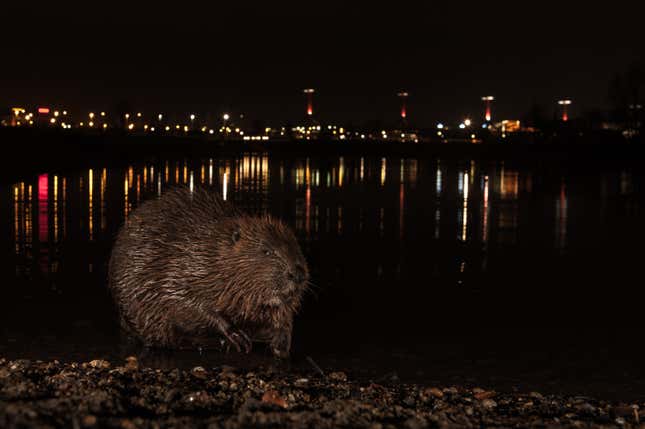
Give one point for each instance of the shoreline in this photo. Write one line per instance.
(36, 150)
(127, 395)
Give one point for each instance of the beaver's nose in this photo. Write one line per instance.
(299, 275)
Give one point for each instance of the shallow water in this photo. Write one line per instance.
(505, 274)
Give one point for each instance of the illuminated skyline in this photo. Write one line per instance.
(253, 58)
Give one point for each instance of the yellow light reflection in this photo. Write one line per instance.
(126, 203)
(464, 213)
(225, 185)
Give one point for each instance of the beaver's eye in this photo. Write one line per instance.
(236, 236)
(268, 252)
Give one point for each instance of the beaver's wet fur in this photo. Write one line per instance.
(189, 268)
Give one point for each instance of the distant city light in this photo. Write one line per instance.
(462, 125)
(226, 116)
(138, 114)
(102, 113)
(52, 120)
(403, 96)
(56, 113)
(565, 113)
(160, 116)
(440, 126)
(43, 110)
(192, 117)
(310, 100)
(488, 99)
(467, 122)
(91, 115)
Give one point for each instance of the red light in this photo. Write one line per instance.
(310, 103)
(43, 110)
(403, 112)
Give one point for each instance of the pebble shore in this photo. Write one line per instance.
(100, 394)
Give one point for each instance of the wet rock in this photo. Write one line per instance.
(536, 395)
(338, 376)
(415, 423)
(489, 403)
(127, 424)
(409, 401)
(199, 372)
(437, 393)
(481, 395)
(99, 364)
(89, 421)
(301, 382)
(272, 397)
(131, 363)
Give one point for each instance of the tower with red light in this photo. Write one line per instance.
(488, 100)
(309, 92)
(565, 109)
(404, 104)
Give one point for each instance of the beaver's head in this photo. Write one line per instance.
(262, 263)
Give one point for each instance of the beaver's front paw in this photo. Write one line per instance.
(238, 339)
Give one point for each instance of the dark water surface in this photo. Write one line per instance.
(480, 272)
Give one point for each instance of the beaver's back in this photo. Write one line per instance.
(151, 256)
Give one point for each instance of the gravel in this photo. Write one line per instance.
(100, 394)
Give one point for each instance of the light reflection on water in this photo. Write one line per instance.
(399, 200)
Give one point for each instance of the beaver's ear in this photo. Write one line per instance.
(236, 235)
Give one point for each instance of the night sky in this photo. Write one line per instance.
(256, 59)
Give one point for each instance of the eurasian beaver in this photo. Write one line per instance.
(188, 268)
